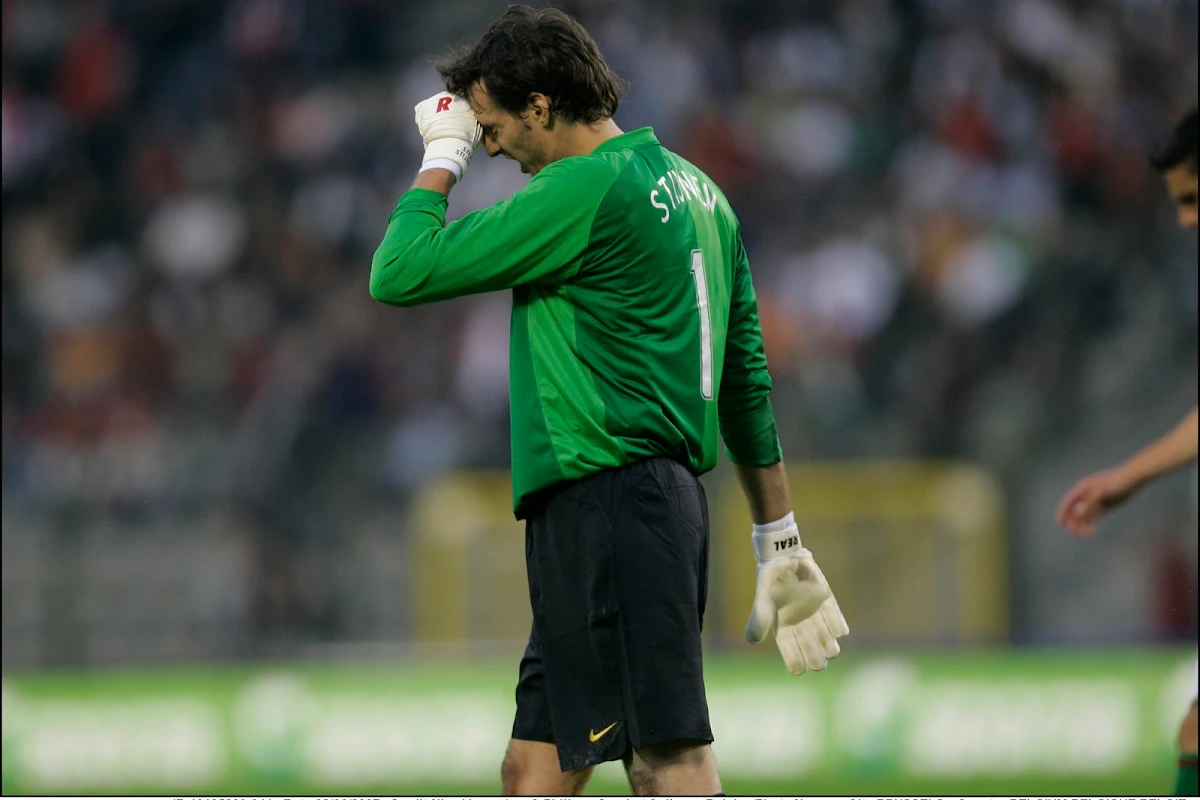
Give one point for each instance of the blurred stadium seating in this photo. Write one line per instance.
(216, 447)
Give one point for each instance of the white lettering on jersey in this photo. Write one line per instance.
(654, 202)
(683, 188)
(663, 183)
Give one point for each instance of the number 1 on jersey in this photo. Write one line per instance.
(706, 361)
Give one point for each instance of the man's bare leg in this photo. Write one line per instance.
(1189, 731)
(673, 768)
(531, 768)
(1188, 739)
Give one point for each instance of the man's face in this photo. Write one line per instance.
(510, 135)
(1181, 183)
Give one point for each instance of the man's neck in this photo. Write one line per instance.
(582, 139)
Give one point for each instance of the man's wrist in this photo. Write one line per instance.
(436, 179)
(448, 164)
(781, 524)
(777, 544)
(456, 151)
(1131, 478)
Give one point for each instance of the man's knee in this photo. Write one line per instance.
(670, 767)
(532, 768)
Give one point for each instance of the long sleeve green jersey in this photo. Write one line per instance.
(635, 329)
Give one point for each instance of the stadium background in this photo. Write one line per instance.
(255, 527)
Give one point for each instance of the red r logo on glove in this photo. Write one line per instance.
(443, 104)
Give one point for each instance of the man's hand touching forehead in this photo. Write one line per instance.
(450, 131)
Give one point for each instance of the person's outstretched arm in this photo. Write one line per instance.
(1094, 496)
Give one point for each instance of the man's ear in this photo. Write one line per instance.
(540, 110)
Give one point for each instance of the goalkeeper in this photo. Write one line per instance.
(635, 343)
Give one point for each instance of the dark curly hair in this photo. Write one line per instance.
(542, 50)
(1180, 148)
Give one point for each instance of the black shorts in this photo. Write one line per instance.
(618, 566)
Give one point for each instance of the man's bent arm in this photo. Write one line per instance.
(1173, 450)
(538, 235)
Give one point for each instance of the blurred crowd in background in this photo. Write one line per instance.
(959, 248)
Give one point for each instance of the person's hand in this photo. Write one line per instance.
(793, 600)
(1091, 498)
(450, 132)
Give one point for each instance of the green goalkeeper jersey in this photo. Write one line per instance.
(635, 329)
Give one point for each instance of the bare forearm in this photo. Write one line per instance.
(766, 491)
(1174, 450)
(436, 179)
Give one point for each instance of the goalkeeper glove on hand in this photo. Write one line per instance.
(793, 600)
(450, 132)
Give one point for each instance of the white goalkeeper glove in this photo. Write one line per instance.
(450, 132)
(793, 600)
